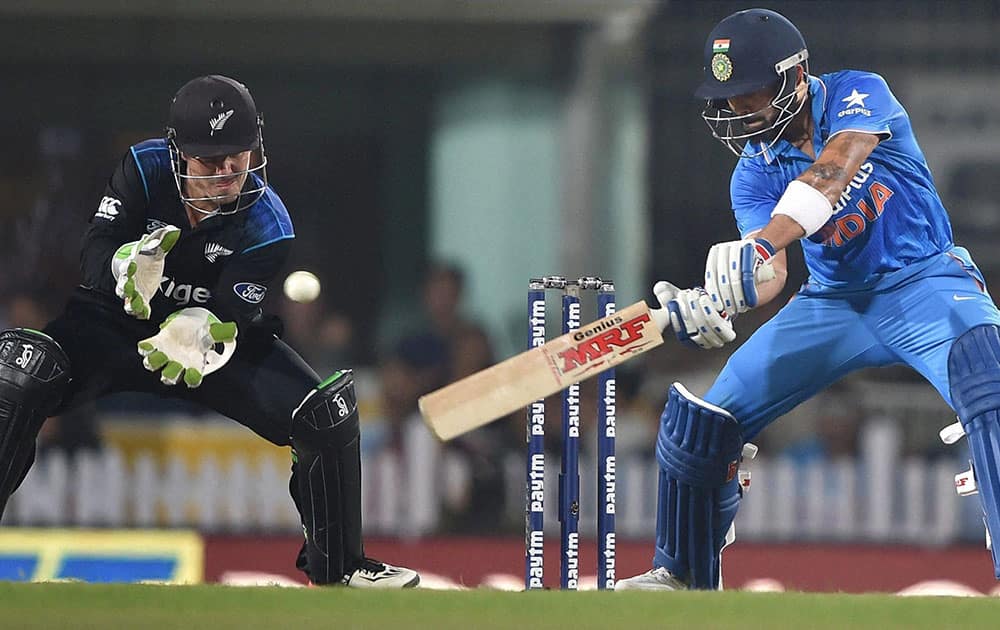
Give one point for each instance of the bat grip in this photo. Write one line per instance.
(660, 317)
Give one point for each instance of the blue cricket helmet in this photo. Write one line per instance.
(749, 50)
(746, 52)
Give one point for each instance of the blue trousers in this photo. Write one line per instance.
(909, 317)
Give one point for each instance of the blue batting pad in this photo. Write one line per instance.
(974, 381)
(699, 449)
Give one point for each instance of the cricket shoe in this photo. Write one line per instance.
(658, 579)
(375, 574)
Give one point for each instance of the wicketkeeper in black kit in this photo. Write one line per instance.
(175, 264)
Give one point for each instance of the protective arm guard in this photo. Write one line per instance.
(34, 372)
(326, 479)
(699, 450)
(974, 381)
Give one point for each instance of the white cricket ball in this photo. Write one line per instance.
(302, 286)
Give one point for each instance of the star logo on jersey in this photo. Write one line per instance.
(855, 99)
(855, 104)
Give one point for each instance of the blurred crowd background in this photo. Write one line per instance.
(434, 156)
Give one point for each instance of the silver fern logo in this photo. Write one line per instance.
(218, 122)
(214, 250)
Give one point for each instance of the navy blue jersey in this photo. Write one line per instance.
(225, 263)
(888, 217)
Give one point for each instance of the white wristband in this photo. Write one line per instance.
(805, 205)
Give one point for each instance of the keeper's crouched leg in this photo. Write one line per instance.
(974, 381)
(699, 449)
(327, 466)
(34, 373)
(326, 486)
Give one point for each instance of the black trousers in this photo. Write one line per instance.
(259, 387)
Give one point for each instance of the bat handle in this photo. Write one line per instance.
(660, 317)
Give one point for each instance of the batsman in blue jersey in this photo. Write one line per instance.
(831, 161)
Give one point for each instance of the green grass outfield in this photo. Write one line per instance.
(53, 606)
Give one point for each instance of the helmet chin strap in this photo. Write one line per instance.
(192, 202)
(204, 213)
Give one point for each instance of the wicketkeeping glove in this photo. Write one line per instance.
(694, 318)
(138, 269)
(187, 346)
(733, 271)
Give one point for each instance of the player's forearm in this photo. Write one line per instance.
(95, 261)
(809, 201)
(781, 231)
(839, 161)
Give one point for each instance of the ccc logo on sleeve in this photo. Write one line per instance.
(108, 209)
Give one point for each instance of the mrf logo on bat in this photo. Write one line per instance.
(594, 345)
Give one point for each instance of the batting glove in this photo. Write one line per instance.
(733, 271)
(138, 269)
(186, 346)
(694, 318)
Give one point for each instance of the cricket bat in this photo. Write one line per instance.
(498, 390)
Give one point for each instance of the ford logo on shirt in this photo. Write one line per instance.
(249, 291)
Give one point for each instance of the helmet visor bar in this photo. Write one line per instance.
(789, 62)
(247, 196)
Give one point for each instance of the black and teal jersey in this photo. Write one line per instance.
(225, 264)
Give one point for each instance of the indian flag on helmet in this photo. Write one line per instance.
(720, 46)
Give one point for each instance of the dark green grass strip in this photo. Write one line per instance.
(84, 606)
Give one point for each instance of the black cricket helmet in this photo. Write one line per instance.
(746, 52)
(212, 116)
